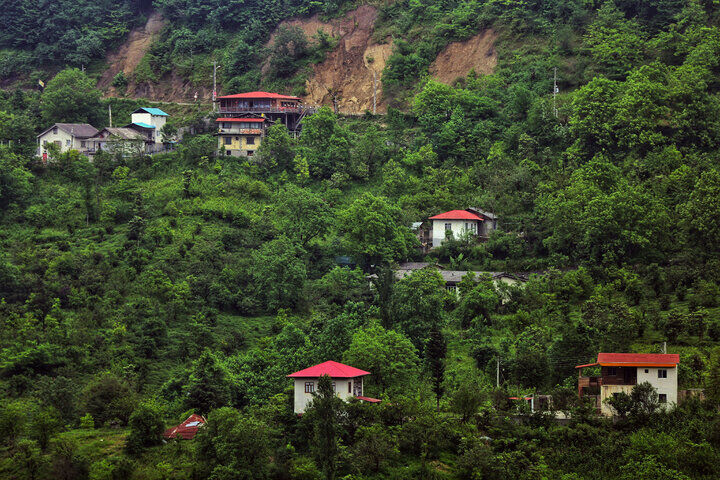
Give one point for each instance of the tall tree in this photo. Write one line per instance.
(71, 97)
(326, 409)
(435, 352)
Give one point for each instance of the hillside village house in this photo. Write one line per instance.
(453, 277)
(149, 122)
(119, 140)
(620, 372)
(474, 221)
(240, 137)
(244, 118)
(67, 136)
(347, 383)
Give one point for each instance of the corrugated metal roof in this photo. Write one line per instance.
(187, 429)
(330, 368)
(152, 111)
(259, 95)
(638, 359)
(142, 124)
(245, 120)
(123, 133)
(457, 215)
(79, 130)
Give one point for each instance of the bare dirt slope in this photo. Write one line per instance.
(458, 58)
(126, 58)
(347, 72)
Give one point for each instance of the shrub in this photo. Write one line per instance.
(146, 426)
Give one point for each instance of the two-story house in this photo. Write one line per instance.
(149, 122)
(474, 221)
(240, 137)
(620, 372)
(347, 383)
(67, 136)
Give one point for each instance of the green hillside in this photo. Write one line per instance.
(135, 290)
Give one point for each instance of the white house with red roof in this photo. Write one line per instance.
(459, 222)
(347, 383)
(620, 372)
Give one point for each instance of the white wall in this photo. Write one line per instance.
(457, 227)
(302, 399)
(158, 121)
(61, 136)
(668, 385)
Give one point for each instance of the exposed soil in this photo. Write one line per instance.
(348, 70)
(457, 59)
(126, 58)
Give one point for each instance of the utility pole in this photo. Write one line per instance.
(110, 113)
(497, 374)
(555, 92)
(664, 347)
(214, 94)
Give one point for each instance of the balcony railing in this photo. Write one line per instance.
(237, 109)
(240, 131)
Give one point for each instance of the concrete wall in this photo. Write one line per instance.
(667, 386)
(158, 121)
(239, 145)
(302, 399)
(67, 141)
(458, 227)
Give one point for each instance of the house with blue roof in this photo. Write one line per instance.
(149, 122)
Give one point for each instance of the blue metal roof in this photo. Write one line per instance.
(143, 125)
(152, 111)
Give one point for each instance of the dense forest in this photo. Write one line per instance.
(135, 290)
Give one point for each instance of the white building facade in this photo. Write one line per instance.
(347, 383)
(66, 136)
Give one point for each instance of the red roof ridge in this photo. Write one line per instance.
(259, 95)
(330, 368)
(457, 215)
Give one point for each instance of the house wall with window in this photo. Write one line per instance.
(345, 388)
(663, 379)
(457, 227)
(240, 145)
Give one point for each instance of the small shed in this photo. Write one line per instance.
(187, 429)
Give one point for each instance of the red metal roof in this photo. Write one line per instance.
(258, 95)
(635, 360)
(240, 120)
(187, 429)
(457, 215)
(330, 368)
(369, 399)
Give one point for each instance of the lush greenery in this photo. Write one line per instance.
(136, 290)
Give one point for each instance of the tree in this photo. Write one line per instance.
(70, 97)
(375, 446)
(481, 300)
(301, 214)
(14, 180)
(325, 144)
(289, 47)
(371, 227)
(712, 379)
(280, 273)
(325, 410)
(645, 401)
(146, 427)
(388, 355)
(233, 447)
(466, 400)
(435, 352)
(418, 304)
(702, 211)
(207, 387)
(276, 152)
(107, 398)
(621, 403)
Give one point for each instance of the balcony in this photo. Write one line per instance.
(240, 131)
(300, 109)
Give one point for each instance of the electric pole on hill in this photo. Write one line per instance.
(497, 373)
(214, 94)
(555, 92)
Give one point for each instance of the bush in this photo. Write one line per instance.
(109, 398)
(146, 426)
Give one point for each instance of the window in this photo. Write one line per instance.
(349, 387)
(228, 140)
(82, 144)
(55, 130)
(333, 384)
(309, 387)
(647, 371)
(662, 373)
(612, 371)
(251, 140)
(227, 125)
(662, 398)
(448, 226)
(250, 153)
(227, 152)
(67, 143)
